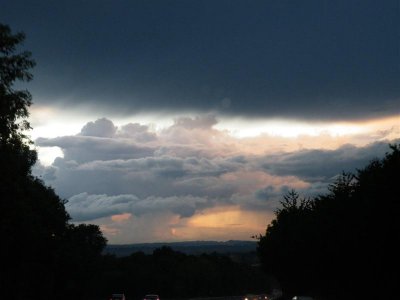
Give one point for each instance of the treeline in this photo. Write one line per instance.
(173, 274)
(342, 245)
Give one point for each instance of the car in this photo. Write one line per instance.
(276, 294)
(117, 297)
(151, 297)
(250, 297)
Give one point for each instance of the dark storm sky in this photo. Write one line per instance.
(298, 59)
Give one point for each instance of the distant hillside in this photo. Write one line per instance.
(195, 247)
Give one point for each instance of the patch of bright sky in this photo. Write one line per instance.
(52, 122)
(218, 223)
(47, 155)
(49, 122)
(287, 128)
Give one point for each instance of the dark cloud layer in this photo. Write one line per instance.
(322, 165)
(304, 59)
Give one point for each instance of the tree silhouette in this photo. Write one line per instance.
(282, 250)
(16, 157)
(32, 216)
(79, 262)
(34, 226)
(14, 103)
(341, 244)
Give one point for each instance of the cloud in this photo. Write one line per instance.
(319, 165)
(121, 217)
(100, 128)
(242, 64)
(241, 61)
(217, 223)
(145, 228)
(188, 169)
(206, 122)
(89, 148)
(137, 132)
(191, 157)
(86, 207)
(46, 173)
(165, 166)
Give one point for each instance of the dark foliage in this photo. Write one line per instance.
(40, 251)
(342, 244)
(173, 274)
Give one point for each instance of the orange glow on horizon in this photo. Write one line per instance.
(222, 223)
